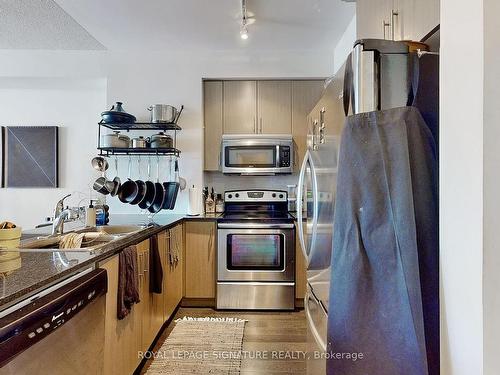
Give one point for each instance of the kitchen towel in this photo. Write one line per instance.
(128, 282)
(155, 267)
(384, 291)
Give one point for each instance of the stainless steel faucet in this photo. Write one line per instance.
(62, 215)
(60, 206)
(58, 223)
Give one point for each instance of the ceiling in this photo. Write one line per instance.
(41, 24)
(162, 25)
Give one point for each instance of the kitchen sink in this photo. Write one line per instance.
(53, 243)
(120, 230)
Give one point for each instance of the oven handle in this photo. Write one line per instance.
(255, 226)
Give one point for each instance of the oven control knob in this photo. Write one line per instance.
(274, 195)
(281, 195)
(230, 196)
(237, 195)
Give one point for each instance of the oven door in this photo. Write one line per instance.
(259, 252)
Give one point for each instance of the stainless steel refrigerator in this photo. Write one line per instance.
(376, 76)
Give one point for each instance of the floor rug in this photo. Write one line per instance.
(201, 346)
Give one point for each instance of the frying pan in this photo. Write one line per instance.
(171, 188)
(129, 189)
(116, 181)
(160, 192)
(149, 196)
(141, 186)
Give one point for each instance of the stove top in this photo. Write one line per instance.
(256, 205)
(259, 216)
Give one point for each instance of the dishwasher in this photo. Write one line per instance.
(57, 331)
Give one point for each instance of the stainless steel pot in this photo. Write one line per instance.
(162, 113)
(139, 142)
(116, 140)
(161, 140)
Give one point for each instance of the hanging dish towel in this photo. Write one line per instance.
(128, 283)
(384, 286)
(155, 267)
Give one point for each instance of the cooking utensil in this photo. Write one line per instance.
(141, 186)
(160, 192)
(129, 189)
(161, 140)
(162, 113)
(179, 114)
(100, 164)
(149, 196)
(140, 142)
(116, 181)
(117, 115)
(182, 183)
(103, 186)
(115, 140)
(171, 188)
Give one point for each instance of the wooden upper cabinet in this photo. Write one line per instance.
(240, 107)
(396, 19)
(213, 124)
(200, 259)
(305, 94)
(274, 105)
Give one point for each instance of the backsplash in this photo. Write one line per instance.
(221, 182)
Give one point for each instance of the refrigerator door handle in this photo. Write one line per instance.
(315, 197)
(300, 199)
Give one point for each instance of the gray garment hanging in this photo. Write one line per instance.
(385, 234)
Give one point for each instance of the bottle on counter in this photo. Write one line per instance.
(90, 215)
(219, 203)
(209, 205)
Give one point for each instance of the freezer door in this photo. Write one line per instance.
(317, 320)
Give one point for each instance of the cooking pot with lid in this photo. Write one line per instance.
(161, 140)
(163, 113)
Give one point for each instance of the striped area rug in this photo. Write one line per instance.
(201, 346)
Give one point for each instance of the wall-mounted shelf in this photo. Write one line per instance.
(114, 151)
(140, 126)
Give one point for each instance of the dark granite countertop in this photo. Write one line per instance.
(39, 268)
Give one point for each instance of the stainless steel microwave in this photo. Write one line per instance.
(261, 154)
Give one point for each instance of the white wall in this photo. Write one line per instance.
(137, 80)
(345, 44)
(461, 185)
(71, 104)
(491, 262)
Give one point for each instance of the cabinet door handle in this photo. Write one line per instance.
(210, 240)
(322, 126)
(386, 25)
(394, 14)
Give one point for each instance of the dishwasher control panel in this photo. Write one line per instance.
(29, 324)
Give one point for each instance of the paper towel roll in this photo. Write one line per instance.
(194, 206)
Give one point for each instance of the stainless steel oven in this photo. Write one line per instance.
(256, 253)
(257, 154)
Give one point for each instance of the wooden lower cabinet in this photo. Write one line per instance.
(122, 338)
(173, 271)
(200, 259)
(125, 338)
